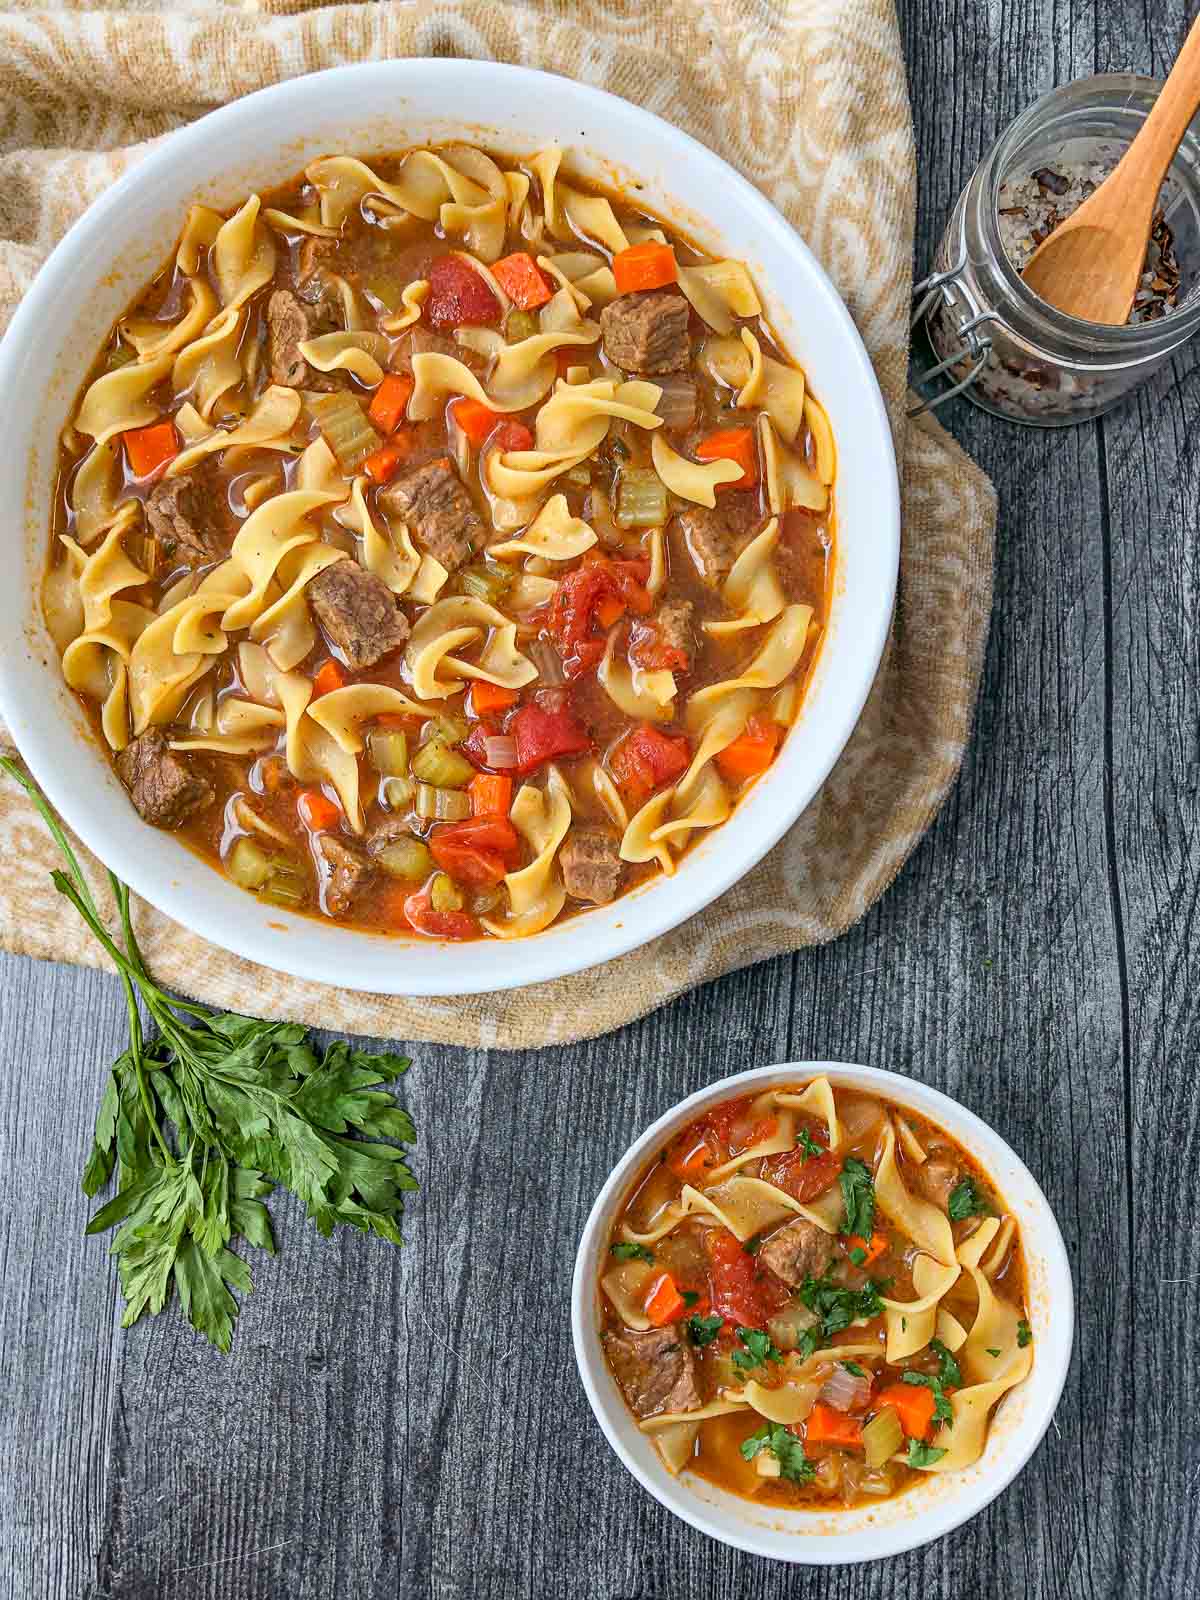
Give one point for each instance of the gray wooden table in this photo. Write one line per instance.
(409, 1423)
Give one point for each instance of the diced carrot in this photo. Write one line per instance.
(397, 720)
(329, 676)
(148, 449)
(520, 278)
(390, 402)
(609, 610)
(664, 1303)
(644, 266)
(491, 794)
(912, 1403)
(488, 698)
(872, 1251)
(475, 419)
(827, 1425)
(381, 464)
(736, 445)
(752, 752)
(317, 812)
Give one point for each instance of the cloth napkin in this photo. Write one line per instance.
(807, 99)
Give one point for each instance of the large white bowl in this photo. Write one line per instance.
(924, 1512)
(262, 140)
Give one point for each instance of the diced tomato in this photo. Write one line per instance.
(513, 436)
(479, 869)
(803, 1177)
(545, 731)
(522, 281)
(649, 650)
(458, 296)
(646, 760)
(494, 834)
(422, 918)
(740, 1288)
(596, 594)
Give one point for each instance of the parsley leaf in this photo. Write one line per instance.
(753, 1246)
(921, 1454)
(703, 1330)
(858, 1195)
(688, 1296)
(858, 1255)
(757, 1348)
(809, 1145)
(836, 1308)
(1024, 1334)
(993, 1353)
(966, 1201)
(787, 1449)
(200, 1121)
(948, 1368)
(626, 1250)
(941, 1405)
(853, 1368)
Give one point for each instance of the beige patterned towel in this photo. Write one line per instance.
(808, 100)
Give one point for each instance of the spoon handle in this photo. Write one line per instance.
(1151, 152)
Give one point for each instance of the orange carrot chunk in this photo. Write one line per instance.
(871, 1251)
(644, 266)
(664, 1303)
(381, 464)
(330, 676)
(828, 1425)
(390, 402)
(522, 281)
(752, 752)
(736, 445)
(475, 419)
(148, 449)
(488, 698)
(491, 795)
(913, 1405)
(317, 812)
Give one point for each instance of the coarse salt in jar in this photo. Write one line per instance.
(993, 338)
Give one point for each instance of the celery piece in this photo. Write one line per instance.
(249, 864)
(520, 325)
(444, 895)
(641, 498)
(452, 805)
(435, 763)
(285, 885)
(347, 432)
(484, 582)
(406, 858)
(397, 793)
(882, 1437)
(580, 475)
(388, 749)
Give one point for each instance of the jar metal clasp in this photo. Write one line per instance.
(931, 292)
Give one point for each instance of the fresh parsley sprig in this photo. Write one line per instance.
(787, 1449)
(836, 1308)
(857, 1184)
(966, 1201)
(757, 1348)
(626, 1250)
(200, 1121)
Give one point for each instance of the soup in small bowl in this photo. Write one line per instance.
(810, 1306)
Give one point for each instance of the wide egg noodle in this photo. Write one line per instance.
(706, 804)
(691, 480)
(394, 560)
(94, 490)
(242, 728)
(108, 570)
(62, 605)
(313, 756)
(412, 299)
(554, 535)
(344, 712)
(453, 624)
(638, 843)
(523, 373)
(720, 291)
(278, 526)
(536, 893)
(752, 589)
(917, 1219)
(748, 1205)
(200, 230)
(117, 401)
(472, 205)
(268, 427)
(949, 1330)
(636, 692)
(818, 1100)
(570, 213)
(672, 1419)
(437, 377)
(912, 1323)
(822, 438)
(773, 388)
(791, 1401)
(577, 417)
(965, 1439)
(317, 469)
(791, 485)
(625, 1286)
(359, 353)
(676, 1445)
(152, 339)
(784, 1138)
(242, 257)
(285, 626)
(209, 367)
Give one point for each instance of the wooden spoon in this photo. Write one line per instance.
(1090, 265)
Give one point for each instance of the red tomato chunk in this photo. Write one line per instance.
(544, 731)
(740, 1289)
(646, 759)
(459, 297)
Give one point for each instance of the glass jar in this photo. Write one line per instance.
(1002, 345)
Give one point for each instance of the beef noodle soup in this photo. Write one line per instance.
(440, 544)
(813, 1297)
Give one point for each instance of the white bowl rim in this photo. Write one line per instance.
(661, 905)
(1053, 1352)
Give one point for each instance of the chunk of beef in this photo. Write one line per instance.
(665, 641)
(647, 332)
(937, 1177)
(165, 787)
(655, 1369)
(313, 251)
(716, 538)
(392, 831)
(186, 516)
(439, 511)
(343, 870)
(591, 864)
(358, 613)
(797, 1251)
(291, 320)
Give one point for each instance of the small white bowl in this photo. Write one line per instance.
(924, 1512)
(260, 141)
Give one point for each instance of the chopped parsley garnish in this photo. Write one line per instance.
(836, 1307)
(993, 1353)
(757, 1347)
(948, 1368)
(921, 1454)
(858, 1196)
(624, 1250)
(787, 1449)
(1024, 1334)
(752, 1246)
(688, 1296)
(966, 1201)
(858, 1255)
(941, 1405)
(703, 1330)
(854, 1369)
(809, 1145)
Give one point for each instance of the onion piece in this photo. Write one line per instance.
(844, 1391)
(677, 402)
(500, 751)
